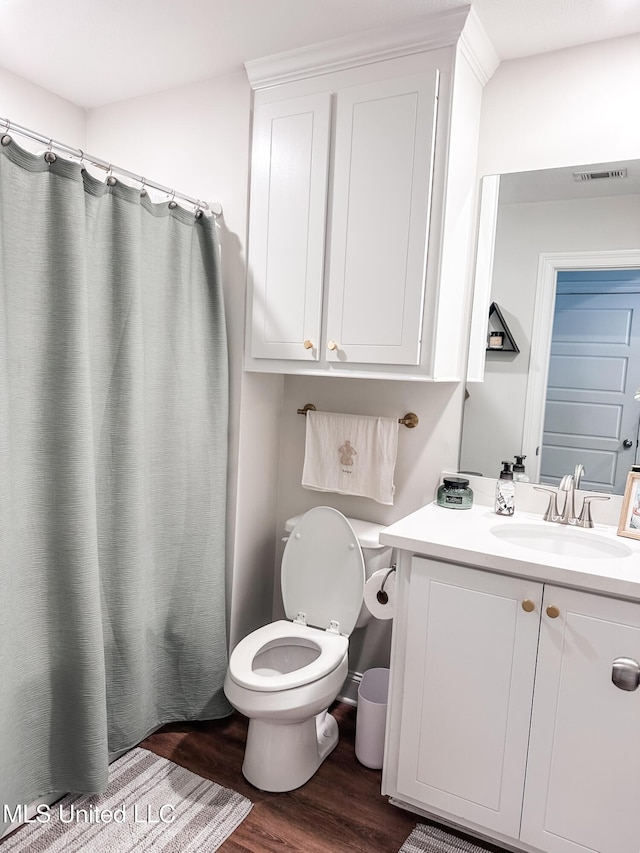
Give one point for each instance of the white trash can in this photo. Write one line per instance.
(371, 717)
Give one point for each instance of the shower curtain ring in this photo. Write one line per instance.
(111, 181)
(6, 139)
(173, 203)
(49, 156)
(143, 188)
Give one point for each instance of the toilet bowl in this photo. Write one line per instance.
(285, 675)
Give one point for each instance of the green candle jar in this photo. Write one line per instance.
(454, 493)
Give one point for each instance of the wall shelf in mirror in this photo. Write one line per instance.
(499, 337)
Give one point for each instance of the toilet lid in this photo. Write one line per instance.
(323, 570)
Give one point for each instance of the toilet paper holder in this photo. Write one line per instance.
(381, 595)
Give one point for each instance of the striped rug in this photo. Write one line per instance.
(150, 804)
(432, 839)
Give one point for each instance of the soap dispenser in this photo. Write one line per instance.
(505, 491)
(519, 474)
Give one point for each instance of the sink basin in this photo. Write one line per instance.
(563, 541)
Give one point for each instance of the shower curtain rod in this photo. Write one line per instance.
(215, 207)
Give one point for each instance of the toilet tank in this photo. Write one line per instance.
(376, 556)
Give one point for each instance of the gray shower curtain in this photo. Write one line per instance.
(113, 437)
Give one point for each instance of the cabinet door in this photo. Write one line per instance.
(380, 219)
(469, 672)
(583, 774)
(289, 173)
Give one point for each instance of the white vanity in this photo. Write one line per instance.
(503, 716)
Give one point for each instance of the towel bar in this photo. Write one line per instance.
(410, 420)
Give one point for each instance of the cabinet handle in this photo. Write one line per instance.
(308, 345)
(625, 673)
(528, 606)
(553, 612)
(332, 345)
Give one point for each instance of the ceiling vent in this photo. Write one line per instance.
(609, 174)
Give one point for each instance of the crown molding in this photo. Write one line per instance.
(426, 33)
(477, 49)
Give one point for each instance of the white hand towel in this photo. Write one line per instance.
(351, 455)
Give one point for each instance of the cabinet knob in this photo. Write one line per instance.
(625, 673)
(308, 345)
(528, 606)
(553, 612)
(332, 345)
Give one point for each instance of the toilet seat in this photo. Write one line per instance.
(323, 571)
(332, 648)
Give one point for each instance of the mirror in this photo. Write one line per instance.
(560, 252)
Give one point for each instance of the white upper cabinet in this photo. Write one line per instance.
(380, 217)
(361, 202)
(290, 167)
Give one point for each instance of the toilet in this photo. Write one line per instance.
(285, 675)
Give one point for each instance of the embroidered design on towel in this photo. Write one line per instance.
(347, 452)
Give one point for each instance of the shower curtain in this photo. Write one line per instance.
(113, 436)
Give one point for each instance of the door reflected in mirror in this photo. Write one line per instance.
(565, 273)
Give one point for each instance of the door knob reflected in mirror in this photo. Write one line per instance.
(627, 443)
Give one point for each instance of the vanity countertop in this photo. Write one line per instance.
(465, 536)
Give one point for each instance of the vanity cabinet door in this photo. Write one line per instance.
(382, 178)
(289, 174)
(469, 674)
(583, 774)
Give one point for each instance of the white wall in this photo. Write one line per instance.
(562, 108)
(422, 453)
(196, 138)
(34, 108)
(494, 412)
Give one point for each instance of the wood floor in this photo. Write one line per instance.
(340, 810)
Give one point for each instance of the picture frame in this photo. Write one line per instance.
(629, 524)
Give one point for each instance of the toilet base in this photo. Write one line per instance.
(283, 756)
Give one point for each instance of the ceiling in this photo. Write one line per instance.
(94, 52)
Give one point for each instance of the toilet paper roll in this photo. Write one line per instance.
(374, 602)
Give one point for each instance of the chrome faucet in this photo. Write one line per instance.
(568, 484)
